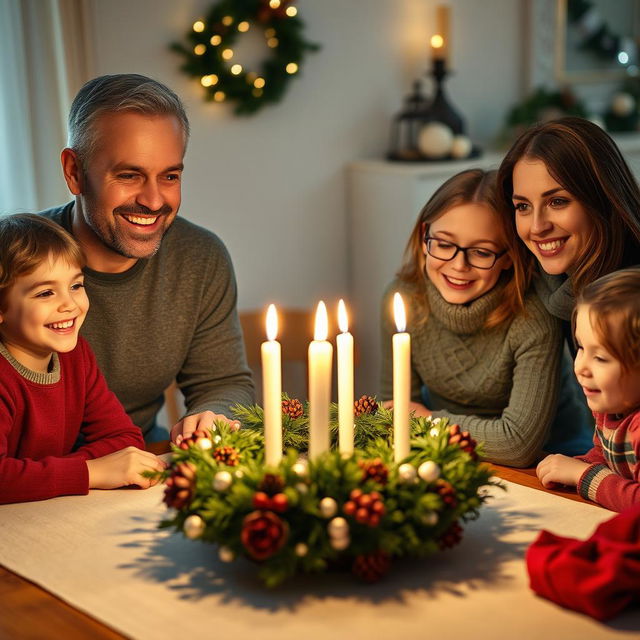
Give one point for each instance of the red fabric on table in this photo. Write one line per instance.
(599, 576)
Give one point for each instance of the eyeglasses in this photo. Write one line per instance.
(475, 256)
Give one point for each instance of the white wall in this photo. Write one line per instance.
(273, 185)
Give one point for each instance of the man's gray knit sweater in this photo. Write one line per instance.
(172, 316)
(498, 384)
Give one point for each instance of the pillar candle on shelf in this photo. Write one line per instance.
(272, 390)
(344, 342)
(401, 381)
(320, 360)
(440, 41)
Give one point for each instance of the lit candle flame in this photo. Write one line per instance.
(437, 41)
(343, 320)
(398, 313)
(322, 322)
(272, 322)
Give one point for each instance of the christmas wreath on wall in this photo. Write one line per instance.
(360, 510)
(209, 52)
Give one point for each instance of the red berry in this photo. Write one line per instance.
(374, 520)
(261, 500)
(349, 508)
(355, 494)
(377, 507)
(375, 495)
(362, 515)
(280, 503)
(365, 500)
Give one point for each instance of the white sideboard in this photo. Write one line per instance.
(383, 200)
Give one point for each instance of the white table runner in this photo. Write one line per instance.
(103, 554)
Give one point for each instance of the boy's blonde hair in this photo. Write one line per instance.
(26, 240)
(614, 313)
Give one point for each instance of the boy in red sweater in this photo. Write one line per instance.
(50, 387)
(607, 331)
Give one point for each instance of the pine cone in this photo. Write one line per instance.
(365, 404)
(463, 439)
(451, 537)
(180, 485)
(370, 567)
(374, 470)
(447, 493)
(292, 408)
(227, 455)
(271, 484)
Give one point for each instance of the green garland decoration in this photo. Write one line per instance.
(208, 53)
(360, 510)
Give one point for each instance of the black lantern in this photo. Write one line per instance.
(406, 127)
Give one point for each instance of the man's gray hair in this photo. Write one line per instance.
(115, 93)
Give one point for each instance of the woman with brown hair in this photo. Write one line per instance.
(567, 192)
(485, 349)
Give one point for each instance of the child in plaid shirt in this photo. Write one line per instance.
(606, 325)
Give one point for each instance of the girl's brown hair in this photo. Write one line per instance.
(614, 313)
(474, 186)
(26, 240)
(585, 161)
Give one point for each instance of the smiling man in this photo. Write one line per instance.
(162, 290)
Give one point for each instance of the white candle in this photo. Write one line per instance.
(345, 381)
(401, 381)
(272, 390)
(320, 359)
(441, 40)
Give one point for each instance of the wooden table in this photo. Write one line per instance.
(28, 611)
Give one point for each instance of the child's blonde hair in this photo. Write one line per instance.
(614, 313)
(26, 240)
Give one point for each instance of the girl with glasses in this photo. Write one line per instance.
(485, 352)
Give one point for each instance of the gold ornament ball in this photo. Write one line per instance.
(193, 527)
(429, 471)
(461, 147)
(430, 519)
(338, 528)
(226, 555)
(328, 507)
(205, 444)
(435, 140)
(340, 544)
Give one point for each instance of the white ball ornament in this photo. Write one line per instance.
(461, 147)
(435, 140)
(193, 527)
(328, 507)
(340, 544)
(205, 444)
(301, 469)
(217, 439)
(301, 549)
(622, 104)
(226, 555)
(429, 471)
(338, 528)
(406, 473)
(222, 480)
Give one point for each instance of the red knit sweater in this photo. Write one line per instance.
(41, 416)
(613, 477)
